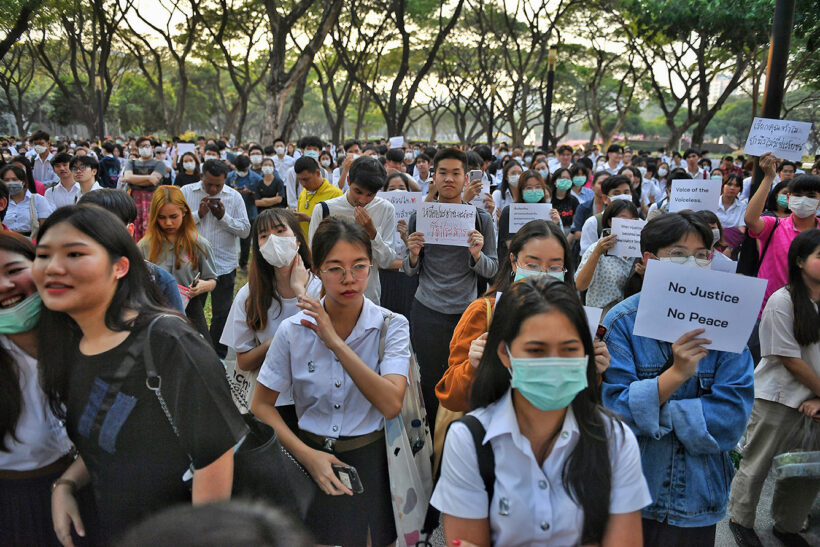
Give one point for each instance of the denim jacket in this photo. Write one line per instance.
(685, 442)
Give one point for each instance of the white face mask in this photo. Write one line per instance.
(802, 206)
(267, 169)
(241, 174)
(325, 163)
(256, 159)
(624, 197)
(409, 156)
(189, 165)
(662, 172)
(211, 158)
(40, 149)
(146, 152)
(643, 171)
(279, 251)
(513, 180)
(715, 236)
(280, 150)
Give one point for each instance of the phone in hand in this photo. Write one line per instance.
(600, 332)
(476, 174)
(195, 281)
(348, 476)
(606, 232)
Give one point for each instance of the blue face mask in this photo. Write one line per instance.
(22, 317)
(532, 195)
(579, 181)
(521, 273)
(545, 173)
(312, 154)
(549, 383)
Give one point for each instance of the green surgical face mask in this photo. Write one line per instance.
(563, 184)
(521, 273)
(783, 201)
(579, 181)
(549, 383)
(533, 195)
(22, 317)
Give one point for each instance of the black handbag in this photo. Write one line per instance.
(263, 468)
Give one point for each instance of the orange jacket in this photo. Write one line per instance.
(453, 390)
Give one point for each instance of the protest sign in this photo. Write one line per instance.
(697, 195)
(593, 319)
(722, 263)
(628, 242)
(783, 138)
(445, 223)
(396, 142)
(184, 148)
(676, 299)
(405, 203)
(522, 213)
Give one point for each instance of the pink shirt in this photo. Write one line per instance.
(775, 266)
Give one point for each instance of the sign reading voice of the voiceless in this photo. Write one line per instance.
(446, 223)
(676, 299)
(694, 194)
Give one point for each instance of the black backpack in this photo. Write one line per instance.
(749, 260)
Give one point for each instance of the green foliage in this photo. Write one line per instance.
(733, 120)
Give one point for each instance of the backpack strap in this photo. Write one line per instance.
(486, 457)
(489, 313)
(325, 209)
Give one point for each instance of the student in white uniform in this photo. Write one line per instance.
(328, 354)
(278, 275)
(566, 472)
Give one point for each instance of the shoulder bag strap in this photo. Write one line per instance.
(486, 458)
(383, 334)
(768, 240)
(325, 209)
(489, 313)
(154, 380)
(34, 222)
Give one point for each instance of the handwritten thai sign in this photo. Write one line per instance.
(783, 138)
(446, 223)
(522, 213)
(405, 203)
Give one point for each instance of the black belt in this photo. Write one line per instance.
(343, 444)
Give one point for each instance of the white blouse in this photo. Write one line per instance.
(41, 437)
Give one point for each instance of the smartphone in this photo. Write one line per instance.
(195, 281)
(600, 332)
(348, 476)
(475, 175)
(606, 231)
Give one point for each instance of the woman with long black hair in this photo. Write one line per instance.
(787, 388)
(566, 471)
(100, 302)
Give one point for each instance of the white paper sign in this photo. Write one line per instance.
(676, 299)
(722, 263)
(478, 201)
(405, 203)
(522, 213)
(697, 195)
(628, 242)
(593, 319)
(783, 138)
(446, 223)
(185, 147)
(396, 142)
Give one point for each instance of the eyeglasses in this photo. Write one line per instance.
(555, 268)
(336, 274)
(79, 168)
(680, 256)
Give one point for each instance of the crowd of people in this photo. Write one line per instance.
(111, 256)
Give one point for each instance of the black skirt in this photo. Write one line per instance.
(345, 520)
(25, 513)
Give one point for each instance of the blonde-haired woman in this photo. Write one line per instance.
(171, 242)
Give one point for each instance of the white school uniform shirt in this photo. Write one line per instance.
(773, 381)
(239, 336)
(732, 216)
(41, 437)
(501, 203)
(283, 164)
(18, 217)
(58, 196)
(384, 218)
(43, 171)
(589, 233)
(222, 233)
(327, 401)
(539, 511)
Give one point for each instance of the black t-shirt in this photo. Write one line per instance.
(135, 460)
(184, 178)
(275, 188)
(566, 208)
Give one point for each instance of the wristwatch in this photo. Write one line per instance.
(67, 482)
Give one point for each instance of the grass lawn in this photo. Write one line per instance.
(241, 279)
